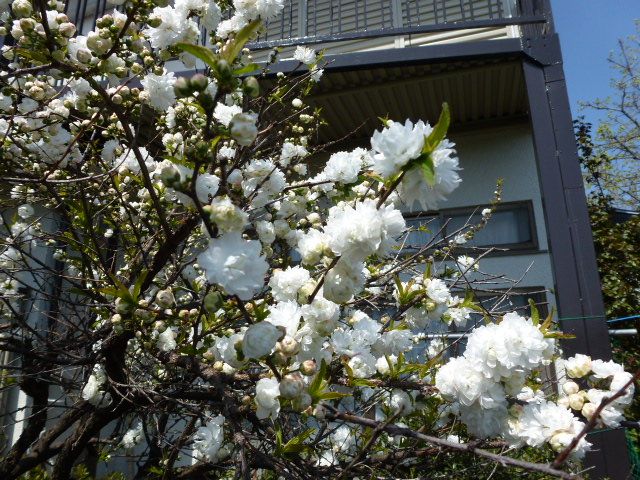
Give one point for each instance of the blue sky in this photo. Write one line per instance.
(589, 31)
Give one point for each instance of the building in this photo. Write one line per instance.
(498, 64)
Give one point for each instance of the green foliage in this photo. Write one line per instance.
(618, 253)
(617, 138)
(431, 143)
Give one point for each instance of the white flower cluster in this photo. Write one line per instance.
(497, 362)
(397, 145)
(208, 440)
(290, 288)
(94, 390)
(601, 380)
(133, 436)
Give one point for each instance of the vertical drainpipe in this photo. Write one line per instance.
(577, 284)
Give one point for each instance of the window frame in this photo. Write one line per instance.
(531, 246)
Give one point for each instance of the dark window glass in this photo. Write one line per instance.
(506, 227)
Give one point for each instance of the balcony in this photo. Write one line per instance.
(315, 22)
(357, 25)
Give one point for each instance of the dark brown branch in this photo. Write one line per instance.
(468, 448)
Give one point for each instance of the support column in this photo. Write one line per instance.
(577, 284)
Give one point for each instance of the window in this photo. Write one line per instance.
(511, 226)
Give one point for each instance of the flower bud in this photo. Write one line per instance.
(243, 128)
(142, 313)
(165, 298)
(67, 29)
(198, 82)
(309, 367)
(578, 366)
(122, 306)
(301, 402)
(27, 24)
(570, 388)
(588, 409)
(21, 8)
(430, 305)
(320, 412)
(224, 70)
(560, 441)
(576, 401)
(154, 21)
(296, 102)
(83, 55)
(260, 339)
(288, 346)
(251, 87)
(169, 175)
(291, 385)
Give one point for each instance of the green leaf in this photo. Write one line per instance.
(439, 130)
(32, 55)
(431, 142)
(535, 315)
(428, 170)
(198, 51)
(293, 446)
(560, 335)
(332, 395)
(316, 385)
(546, 325)
(231, 51)
(363, 382)
(138, 285)
(249, 68)
(427, 271)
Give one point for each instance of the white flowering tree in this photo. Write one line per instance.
(187, 288)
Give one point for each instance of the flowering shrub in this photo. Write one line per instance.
(198, 300)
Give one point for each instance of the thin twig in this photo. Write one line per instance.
(407, 432)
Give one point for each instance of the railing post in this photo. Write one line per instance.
(396, 20)
(302, 18)
(509, 8)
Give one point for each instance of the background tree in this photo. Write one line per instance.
(610, 159)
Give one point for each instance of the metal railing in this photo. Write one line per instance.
(322, 21)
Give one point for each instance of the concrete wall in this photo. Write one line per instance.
(507, 153)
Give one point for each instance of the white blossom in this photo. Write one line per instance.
(224, 113)
(133, 436)
(166, 340)
(577, 366)
(227, 216)
(267, 393)
(234, 264)
(174, 27)
(285, 283)
(355, 233)
(414, 188)
(304, 55)
(396, 145)
(208, 439)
